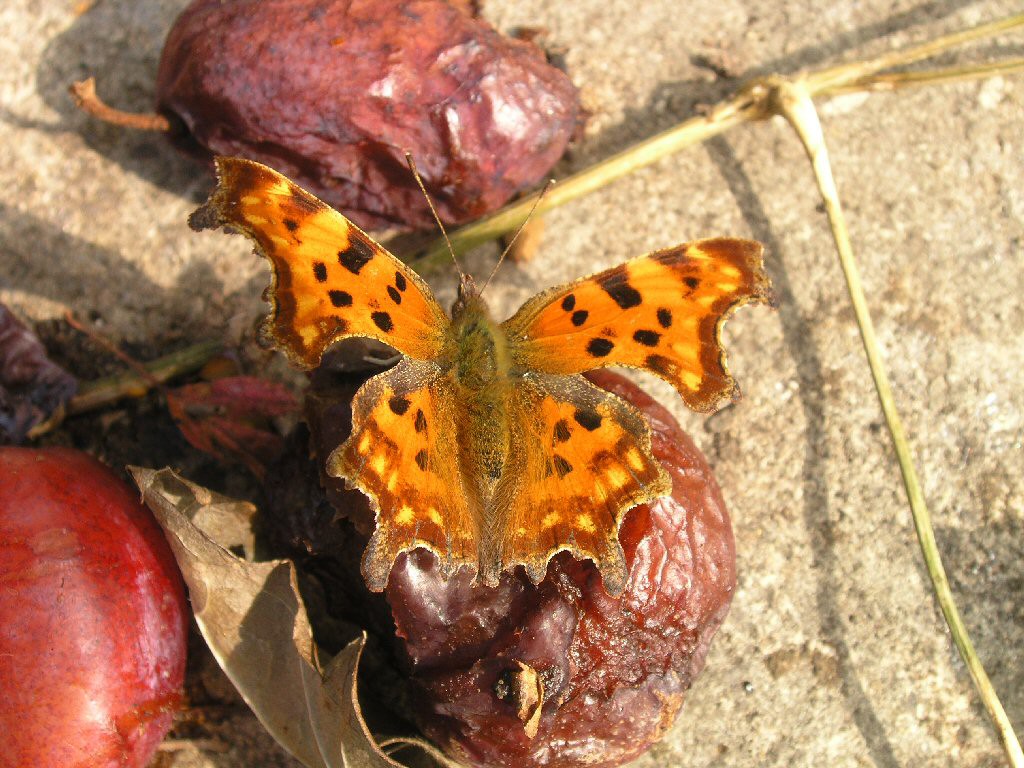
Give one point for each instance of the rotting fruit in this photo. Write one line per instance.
(332, 93)
(93, 617)
(558, 674)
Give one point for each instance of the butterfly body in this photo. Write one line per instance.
(484, 444)
(482, 383)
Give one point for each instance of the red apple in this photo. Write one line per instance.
(93, 617)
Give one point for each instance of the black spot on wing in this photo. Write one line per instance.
(337, 325)
(394, 294)
(383, 321)
(660, 365)
(587, 418)
(398, 405)
(421, 459)
(562, 432)
(616, 284)
(647, 338)
(302, 203)
(579, 317)
(357, 256)
(600, 347)
(665, 317)
(421, 421)
(320, 271)
(691, 282)
(562, 467)
(245, 175)
(569, 302)
(400, 282)
(340, 298)
(291, 225)
(327, 326)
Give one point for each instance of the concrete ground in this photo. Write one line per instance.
(834, 652)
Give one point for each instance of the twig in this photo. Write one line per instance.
(693, 131)
(87, 100)
(98, 338)
(104, 392)
(792, 100)
(202, 745)
(740, 108)
(895, 80)
(821, 82)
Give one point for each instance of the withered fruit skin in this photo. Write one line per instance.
(614, 670)
(333, 92)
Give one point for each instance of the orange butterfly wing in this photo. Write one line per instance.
(330, 280)
(662, 312)
(582, 461)
(403, 454)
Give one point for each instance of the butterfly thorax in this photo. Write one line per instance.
(480, 368)
(480, 350)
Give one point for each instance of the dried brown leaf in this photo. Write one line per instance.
(254, 620)
(232, 418)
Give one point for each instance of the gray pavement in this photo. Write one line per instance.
(834, 652)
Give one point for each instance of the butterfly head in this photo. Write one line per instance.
(480, 349)
(469, 295)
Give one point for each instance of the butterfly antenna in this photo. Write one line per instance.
(519, 231)
(433, 210)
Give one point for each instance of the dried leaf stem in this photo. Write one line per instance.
(744, 106)
(87, 100)
(792, 100)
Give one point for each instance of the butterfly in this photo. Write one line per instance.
(484, 443)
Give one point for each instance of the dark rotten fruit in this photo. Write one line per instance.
(92, 617)
(558, 674)
(333, 92)
(611, 673)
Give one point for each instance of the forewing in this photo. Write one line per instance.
(403, 454)
(582, 460)
(662, 312)
(330, 280)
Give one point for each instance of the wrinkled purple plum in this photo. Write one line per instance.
(332, 93)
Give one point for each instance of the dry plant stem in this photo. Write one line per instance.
(791, 100)
(186, 745)
(106, 391)
(825, 80)
(896, 80)
(87, 100)
(693, 131)
(98, 338)
(742, 107)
